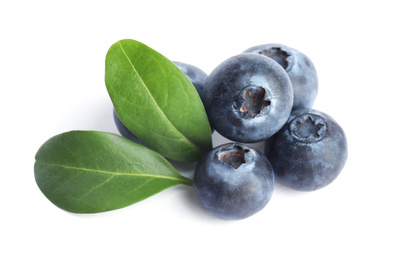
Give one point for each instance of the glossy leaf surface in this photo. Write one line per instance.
(156, 101)
(90, 171)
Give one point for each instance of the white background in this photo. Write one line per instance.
(52, 57)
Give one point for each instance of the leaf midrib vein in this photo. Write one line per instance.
(154, 100)
(112, 173)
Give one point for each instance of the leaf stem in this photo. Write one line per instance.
(187, 181)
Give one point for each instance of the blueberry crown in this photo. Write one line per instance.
(234, 155)
(308, 128)
(281, 56)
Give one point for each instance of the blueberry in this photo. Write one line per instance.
(309, 152)
(233, 181)
(194, 74)
(299, 68)
(248, 98)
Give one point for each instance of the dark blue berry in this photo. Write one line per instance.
(248, 98)
(233, 181)
(309, 152)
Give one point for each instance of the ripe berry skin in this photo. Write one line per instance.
(309, 152)
(233, 181)
(248, 98)
(299, 68)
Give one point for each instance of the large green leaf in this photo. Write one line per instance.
(90, 171)
(156, 101)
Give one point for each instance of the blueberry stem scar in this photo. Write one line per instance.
(254, 101)
(308, 128)
(278, 55)
(233, 155)
(234, 159)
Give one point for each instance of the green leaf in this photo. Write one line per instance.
(156, 101)
(91, 171)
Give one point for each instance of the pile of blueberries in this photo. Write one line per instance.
(263, 94)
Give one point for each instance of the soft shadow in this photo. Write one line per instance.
(287, 191)
(218, 139)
